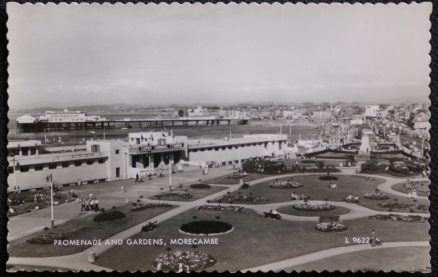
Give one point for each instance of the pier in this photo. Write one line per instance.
(42, 126)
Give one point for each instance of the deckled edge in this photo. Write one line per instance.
(433, 102)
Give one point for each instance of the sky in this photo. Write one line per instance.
(80, 54)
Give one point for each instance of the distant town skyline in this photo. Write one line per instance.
(79, 55)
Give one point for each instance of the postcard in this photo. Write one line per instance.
(218, 137)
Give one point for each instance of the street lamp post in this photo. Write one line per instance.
(13, 169)
(49, 179)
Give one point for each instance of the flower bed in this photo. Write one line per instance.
(179, 261)
(313, 207)
(200, 186)
(400, 207)
(240, 198)
(289, 184)
(295, 196)
(175, 194)
(328, 178)
(109, 216)
(400, 218)
(221, 208)
(206, 227)
(352, 199)
(140, 206)
(330, 227)
(422, 186)
(377, 195)
(45, 238)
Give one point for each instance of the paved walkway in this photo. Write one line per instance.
(80, 260)
(281, 265)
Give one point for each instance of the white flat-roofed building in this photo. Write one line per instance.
(232, 150)
(30, 171)
(141, 153)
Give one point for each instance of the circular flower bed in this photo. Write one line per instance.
(206, 227)
(313, 207)
(330, 227)
(352, 199)
(45, 238)
(328, 178)
(183, 261)
(200, 186)
(109, 216)
(377, 195)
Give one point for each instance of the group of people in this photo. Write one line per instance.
(90, 204)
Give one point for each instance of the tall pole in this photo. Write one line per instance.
(170, 175)
(13, 168)
(52, 220)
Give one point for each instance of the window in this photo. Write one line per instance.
(90, 162)
(95, 148)
(101, 161)
(78, 163)
(117, 172)
(65, 164)
(10, 170)
(24, 168)
(38, 167)
(52, 166)
(117, 151)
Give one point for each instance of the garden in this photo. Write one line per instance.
(300, 211)
(252, 238)
(101, 225)
(183, 261)
(421, 187)
(396, 167)
(313, 188)
(20, 202)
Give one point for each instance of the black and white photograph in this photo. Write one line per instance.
(218, 137)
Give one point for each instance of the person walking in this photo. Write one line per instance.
(82, 205)
(96, 205)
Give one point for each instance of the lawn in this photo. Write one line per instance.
(289, 209)
(395, 200)
(83, 228)
(255, 240)
(401, 259)
(314, 188)
(422, 189)
(196, 193)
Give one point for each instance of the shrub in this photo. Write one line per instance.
(328, 178)
(206, 227)
(200, 186)
(109, 216)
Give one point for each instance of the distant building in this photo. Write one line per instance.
(196, 112)
(372, 111)
(321, 116)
